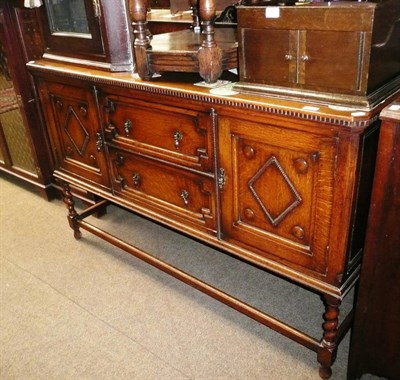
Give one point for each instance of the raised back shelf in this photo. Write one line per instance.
(208, 52)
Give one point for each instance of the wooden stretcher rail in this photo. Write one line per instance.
(261, 317)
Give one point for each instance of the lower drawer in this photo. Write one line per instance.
(176, 193)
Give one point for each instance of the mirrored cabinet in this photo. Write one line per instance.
(90, 33)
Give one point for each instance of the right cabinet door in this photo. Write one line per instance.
(322, 64)
(277, 191)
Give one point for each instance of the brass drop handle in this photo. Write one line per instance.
(185, 197)
(288, 57)
(178, 136)
(127, 127)
(305, 58)
(136, 178)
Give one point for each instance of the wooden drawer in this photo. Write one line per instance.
(177, 135)
(166, 190)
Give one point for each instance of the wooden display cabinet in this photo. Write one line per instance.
(24, 150)
(90, 33)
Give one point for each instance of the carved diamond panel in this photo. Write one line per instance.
(76, 131)
(274, 192)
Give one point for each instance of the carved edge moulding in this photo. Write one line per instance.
(242, 102)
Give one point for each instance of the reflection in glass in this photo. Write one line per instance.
(67, 16)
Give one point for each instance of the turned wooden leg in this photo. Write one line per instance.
(328, 346)
(72, 214)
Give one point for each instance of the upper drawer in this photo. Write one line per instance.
(170, 133)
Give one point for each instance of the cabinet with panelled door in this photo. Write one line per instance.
(337, 52)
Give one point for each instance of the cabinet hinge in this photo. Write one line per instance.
(96, 7)
(221, 178)
(110, 107)
(99, 141)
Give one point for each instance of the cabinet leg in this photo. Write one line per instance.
(328, 346)
(72, 214)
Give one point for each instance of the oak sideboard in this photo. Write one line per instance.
(281, 184)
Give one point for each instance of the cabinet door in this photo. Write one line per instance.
(310, 59)
(77, 140)
(268, 56)
(325, 65)
(277, 196)
(72, 26)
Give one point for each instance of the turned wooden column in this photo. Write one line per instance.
(210, 55)
(138, 13)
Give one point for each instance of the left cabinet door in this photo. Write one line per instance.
(75, 132)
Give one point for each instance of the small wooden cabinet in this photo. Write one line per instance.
(295, 58)
(343, 52)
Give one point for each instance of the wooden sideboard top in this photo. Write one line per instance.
(182, 86)
(392, 111)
